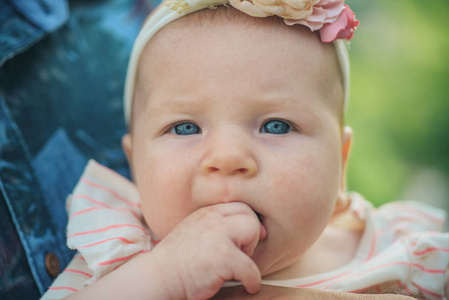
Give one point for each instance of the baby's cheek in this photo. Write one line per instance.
(310, 207)
(154, 212)
(163, 210)
(159, 224)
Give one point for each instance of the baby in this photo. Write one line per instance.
(238, 150)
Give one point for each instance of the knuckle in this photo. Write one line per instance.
(223, 250)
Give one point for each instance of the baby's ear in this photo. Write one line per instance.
(127, 146)
(346, 142)
(342, 203)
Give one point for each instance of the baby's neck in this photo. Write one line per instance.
(334, 249)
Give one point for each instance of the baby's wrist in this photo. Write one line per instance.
(163, 272)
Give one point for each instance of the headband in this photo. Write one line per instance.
(334, 21)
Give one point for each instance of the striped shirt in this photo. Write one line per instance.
(402, 246)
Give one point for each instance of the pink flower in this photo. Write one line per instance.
(332, 18)
(325, 11)
(342, 28)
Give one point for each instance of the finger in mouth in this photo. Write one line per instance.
(259, 216)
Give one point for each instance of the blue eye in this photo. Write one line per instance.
(186, 129)
(276, 127)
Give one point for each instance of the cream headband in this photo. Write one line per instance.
(334, 20)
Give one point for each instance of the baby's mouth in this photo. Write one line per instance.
(263, 229)
(259, 216)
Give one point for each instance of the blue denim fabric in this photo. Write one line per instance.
(47, 15)
(24, 22)
(61, 85)
(16, 280)
(36, 230)
(56, 166)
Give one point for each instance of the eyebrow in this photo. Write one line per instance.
(179, 104)
(285, 102)
(262, 105)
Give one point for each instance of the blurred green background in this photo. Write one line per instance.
(399, 107)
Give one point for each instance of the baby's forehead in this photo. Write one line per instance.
(334, 21)
(199, 33)
(191, 33)
(222, 20)
(195, 28)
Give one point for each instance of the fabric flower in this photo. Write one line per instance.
(287, 9)
(326, 11)
(342, 28)
(332, 18)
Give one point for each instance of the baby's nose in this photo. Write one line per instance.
(229, 160)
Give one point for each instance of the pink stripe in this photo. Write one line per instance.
(421, 213)
(82, 196)
(101, 187)
(104, 205)
(401, 220)
(427, 291)
(417, 253)
(119, 259)
(107, 240)
(430, 250)
(106, 229)
(373, 246)
(422, 268)
(55, 288)
(404, 263)
(322, 281)
(391, 224)
(77, 271)
(83, 211)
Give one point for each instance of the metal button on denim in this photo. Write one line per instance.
(52, 264)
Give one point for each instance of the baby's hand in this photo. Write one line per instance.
(212, 245)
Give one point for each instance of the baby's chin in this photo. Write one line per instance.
(269, 265)
(275, 263)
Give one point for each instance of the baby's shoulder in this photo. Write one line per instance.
(414, 215)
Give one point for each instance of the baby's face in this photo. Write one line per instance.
(240, 113)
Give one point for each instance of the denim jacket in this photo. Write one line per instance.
(61, 85)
